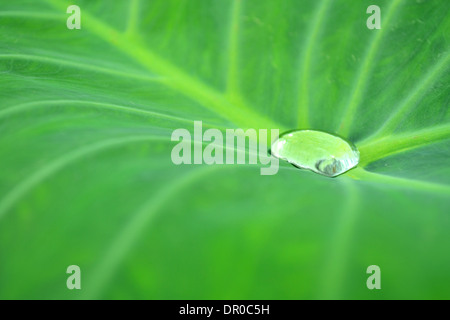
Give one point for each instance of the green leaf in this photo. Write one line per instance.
(86, 118)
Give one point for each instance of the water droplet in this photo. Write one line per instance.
(317, 151)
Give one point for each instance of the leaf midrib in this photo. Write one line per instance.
(390, 145)
(237, 111)
(371, 149)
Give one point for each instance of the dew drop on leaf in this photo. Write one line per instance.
(317, 151)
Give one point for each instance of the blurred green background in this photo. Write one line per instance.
(86, 176)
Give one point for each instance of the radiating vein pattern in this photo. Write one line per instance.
(365, 70)
(87, 178)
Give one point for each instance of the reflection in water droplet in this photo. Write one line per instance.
(317, 151)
